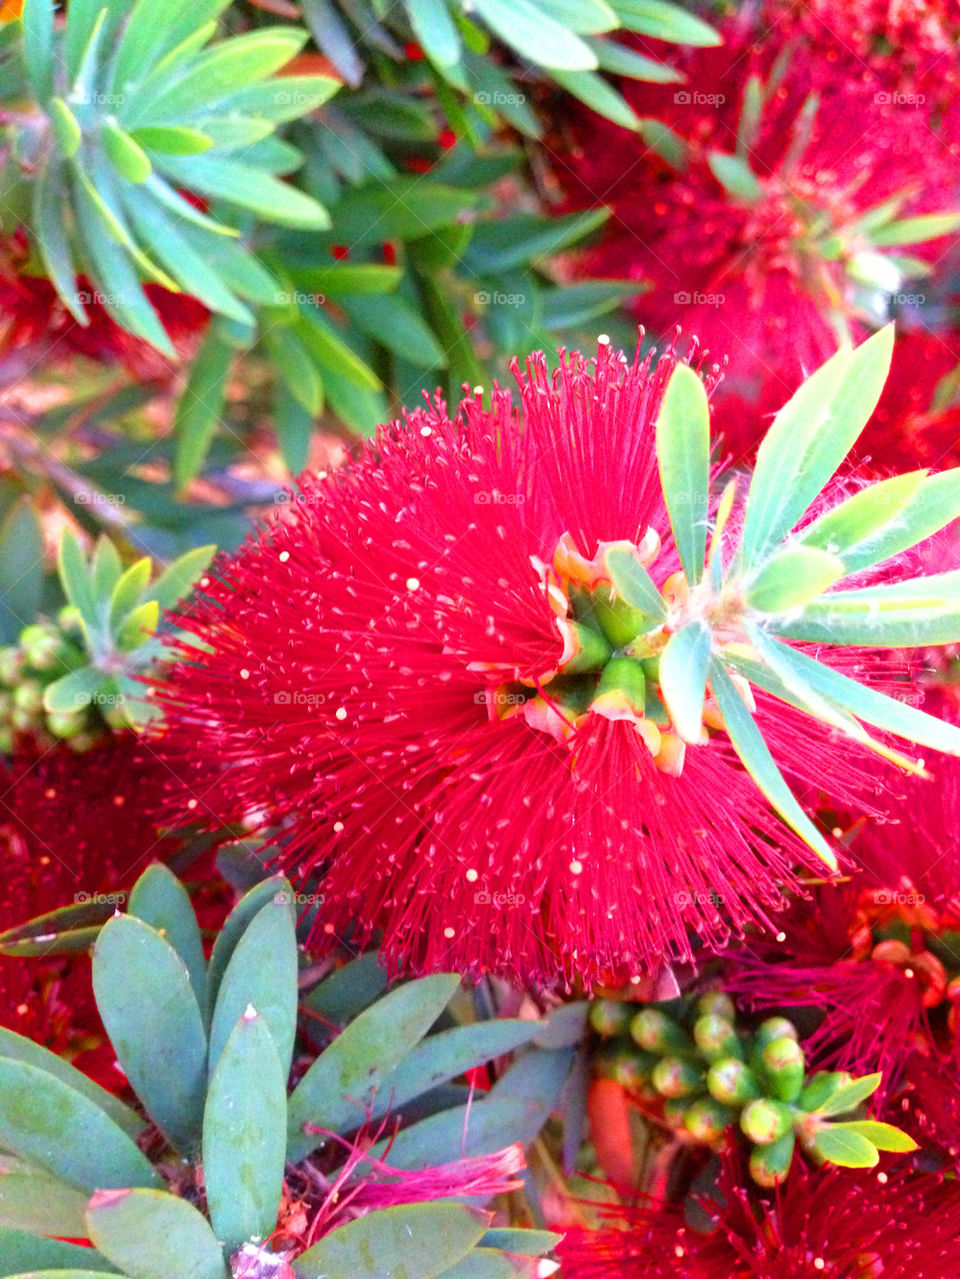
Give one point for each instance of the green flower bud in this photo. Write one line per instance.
(716, 1037)
(770, 1164)
(784, 1067)
(823, 1085)
(41, 645)
(619, 621)
(610, 1016)
(11, 665)
(717, 1003)
(69, 620)
(632, 1071)
(593, 652)
(765, 1121)
(657, 1033)
(83, 742)
(707, 1120)
(675, 1112)
(676, 1077)
(66, 724)
(28, 696)
(774, 1028)
(732, 1082)
(6, 741)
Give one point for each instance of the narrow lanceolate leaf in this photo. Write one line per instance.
(793, 576)
(851, 1094)
(855, 529)
(437, 32)
(151, 1014)
(860, 700)
(126, 155)
(201, 406)
(632, 581)
(153, 1235)
(66, 128)
(38, 46)
(883, 1136)
(809, 438)
(683, 454)
(846, 1149)
(928, 226)
(262, 971)
(176, 581)
(235, 925)
(840, 619)
(51, 238)
(245, 1135)
(754, 753)
(247, 187)
(51, 1124)
(421, 1239)
(25, 1256)
(359, 1059)
(683, 678)
(535, 35)
(735, 174)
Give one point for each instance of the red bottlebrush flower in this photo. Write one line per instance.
(386, 681)
(831, 1223)
(71, 826)
(745, 219)
(917, 422)
(31, 311)
(876, 955)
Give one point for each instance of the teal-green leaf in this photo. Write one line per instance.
(422, 1239)
(66, 128)
(391, 321)
(294, 427)
(883, 1136)
(294, 364)
(842, 618)
(755, 756)
(38, 46)
(485, 1126)
(201, 406)
(632, 580)
(285, 99)
(796, 574)
(178, 579)
(858, 529)
(600, 96)
(42, 1204)
(619, 60)
(535, 35)
(21, 568)
(683, 678)
(160, 900)
(525, 1243)
(436, 31)
(333, 355)
(918, 230)
(150, 1234)
(665, 21)
(18, 1048)
(22, 1253)
(49, 1123)
(358, 1061)
(151, 1014)
(809, 438)
(506, 243)
(844, 1148)
(234, 927)
(735, 176)
(348, 990)
(247, 187)
(50, 235)
(125, 154)
(683, 455)
(75, 691)
(488, 1263)
(262, 971)
(245, 1135)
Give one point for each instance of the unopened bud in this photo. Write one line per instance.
(654, 1031)
(732, 1082)
(765, 1121)
(676, 1077)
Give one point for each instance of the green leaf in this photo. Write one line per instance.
(510, 242)
(665, 22)
(735, 176)
(347, 279)
(201, 406)
(159, 899)
(285, 99)
(421, 1239)
(21, 568)
(333, 355)
(928, 226)
(619, 60)
(809, 438)
(883, 1136)
(442, 1057)
(754, 753)
(389, 320)
(151, 1014)
(489, 1125)
(138, 625)
(355, 1065)
(294, 426)
(632, 580)
(796, 574)
(524, 1243)
(683, 678)
(125, 154)
(42, 1204)
(106, 569)
(129, 590)
(244, 1135)
(50, 237)
(74, 691)
(585, 17)
(172, 139)
(66, 128)
(218, 72)
(843, 618)
(234, 927)
(17, 1048)
(576, 304)
(536, 36)
(294, 364)
(850, 1095)
(599, 95)
(869, 705)
(171, 246)
(247, 187)
(846, 1149)
(153, 1235)
(151, 33)
(22, 1253)
(38, 46)
(851, 529)
(333, 37)
(262, 971)
(487, 1263)
(399, 208)
(683, 455)
(46, 1121)
(348, 990)
(436, 31)
(178, 579)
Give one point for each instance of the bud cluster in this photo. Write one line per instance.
(44, 653)
(690, 1064)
